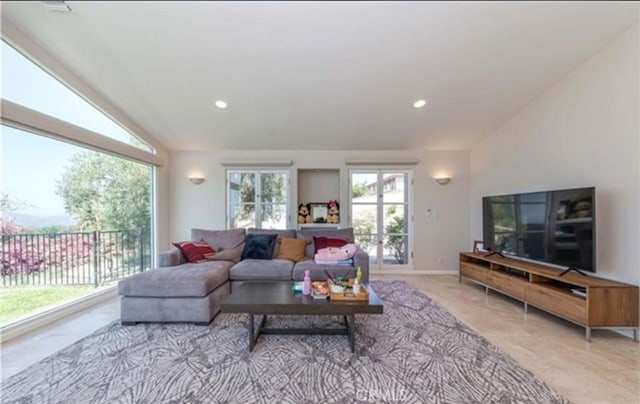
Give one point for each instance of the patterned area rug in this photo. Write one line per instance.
(416, 352)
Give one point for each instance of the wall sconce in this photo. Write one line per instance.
(196, 180)
(443, 180)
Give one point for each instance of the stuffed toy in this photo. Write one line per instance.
(332, 254)
(333, 215)
(303, 213)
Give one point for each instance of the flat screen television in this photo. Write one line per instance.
(553, 227)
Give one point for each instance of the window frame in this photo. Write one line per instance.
(257, 171)
(380, 204)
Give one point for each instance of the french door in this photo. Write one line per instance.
(381, 209)
(257, 198)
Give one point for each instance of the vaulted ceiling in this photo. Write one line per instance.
(321, 76)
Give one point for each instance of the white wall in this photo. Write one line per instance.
(438, 239)
(318, 185)
(584, 131)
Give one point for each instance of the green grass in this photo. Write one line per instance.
(18, 302)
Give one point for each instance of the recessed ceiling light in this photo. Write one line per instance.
(419, 103)
(221, 104)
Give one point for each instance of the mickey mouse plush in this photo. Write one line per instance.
(303, 213)
(334, 212)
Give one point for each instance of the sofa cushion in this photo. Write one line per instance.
(171, 258)
(259, 246)
(317, 270)
(309, 233)
(228, 254)
(251, 269)
(194, 251)
(289, 233)
(219, 239)
(186, 280)
(292, 249)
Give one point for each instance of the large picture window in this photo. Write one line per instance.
(76, 201)
(257, 198)
(25, 83)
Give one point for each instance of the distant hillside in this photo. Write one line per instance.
(36, 221)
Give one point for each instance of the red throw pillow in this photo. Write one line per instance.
(194, 251)
(325, 242)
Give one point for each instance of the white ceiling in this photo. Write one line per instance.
(317, 76)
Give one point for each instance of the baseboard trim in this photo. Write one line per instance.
(412, 272)
(43, 318)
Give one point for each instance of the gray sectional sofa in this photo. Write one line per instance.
(179, 291)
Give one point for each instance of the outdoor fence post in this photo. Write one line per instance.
(5, 261)
(95, 259)
(142, 250)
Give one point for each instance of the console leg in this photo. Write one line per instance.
(486, 290)
(587, 334)
(459, 278)
(526, 307)
(636, 335)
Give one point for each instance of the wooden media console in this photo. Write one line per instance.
(584, 300)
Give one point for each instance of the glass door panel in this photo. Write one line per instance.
(364, 187)
(394, 187)
(368, 243)
(396, 249)
(380, 215)
(364, 219)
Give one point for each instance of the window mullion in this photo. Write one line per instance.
(258, 199)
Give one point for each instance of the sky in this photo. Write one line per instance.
(30, 165)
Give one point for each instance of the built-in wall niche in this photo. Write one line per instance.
(318, 185)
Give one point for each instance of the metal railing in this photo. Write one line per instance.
(73, 258)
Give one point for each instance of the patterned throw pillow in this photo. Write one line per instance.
(194, 251)
(259, 246)
(326, 242)
(292, 249)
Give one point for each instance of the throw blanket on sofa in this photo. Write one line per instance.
(347, 262)
(336, 255)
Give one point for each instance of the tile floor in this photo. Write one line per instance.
(607, 370)
(21, 352)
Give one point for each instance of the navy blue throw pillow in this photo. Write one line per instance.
(259, 246)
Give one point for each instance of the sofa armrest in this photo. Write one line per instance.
(171, 258)
(361, 259)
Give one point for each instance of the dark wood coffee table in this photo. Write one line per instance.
(269, 298)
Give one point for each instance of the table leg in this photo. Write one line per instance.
(261, 325)
(252, 341)
(351, 322)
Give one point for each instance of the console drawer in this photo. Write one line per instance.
(473, 271)
(558, 302)
(508, 284)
